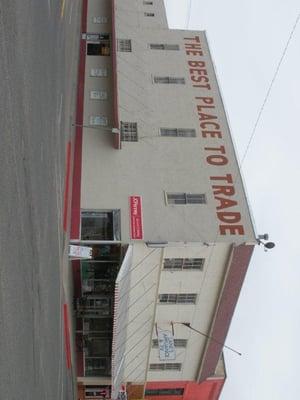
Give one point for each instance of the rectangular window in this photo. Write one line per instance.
(97, 392)
(100, 20)
(98, 95)
(98, 72)
(165, 367)
(98, 120)
(98, 49)
(97, 366)
(164, 392)
(124, 45)
(93, 325)
(100, 225)
(186, 198)
(146, 14)
(163, 46)
(177, 298)
(148, 3)
(180, 264)
(178, 132)
(169, 80)
(129, 132)
(177, 343)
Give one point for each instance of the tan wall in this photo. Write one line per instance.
(155, 165)
(147, 282)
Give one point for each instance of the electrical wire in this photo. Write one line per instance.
(269, 89)
(187, 22)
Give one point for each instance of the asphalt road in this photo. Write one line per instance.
(39, 42)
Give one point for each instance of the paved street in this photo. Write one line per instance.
(38, 64)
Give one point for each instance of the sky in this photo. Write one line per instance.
(247, 40)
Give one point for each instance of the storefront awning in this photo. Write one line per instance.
(122, 292)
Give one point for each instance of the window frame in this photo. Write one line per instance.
(183, 198)
(98, 72)
(183, 264)
(94, 118)
(178, 132)
(165, 366)
(116, 222)
(102, 95)
(169, 80)
(178, 298)
(124, 45)
(100, 19)
(164, 46)
(178, 343)
(164, 392)
(129, 131)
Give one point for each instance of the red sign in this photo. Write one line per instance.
(136, 222)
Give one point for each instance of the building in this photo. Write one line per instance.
(157, 193)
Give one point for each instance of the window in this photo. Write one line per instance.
(176, 298)
(97, 366)
(178, 132)
(165, 367)
(186, 198)
(98, 95)
(98, 49)
(177, 343)
(100, 225)
(161, 46)
(99, 392)
(148, 3)
(98, 72)
(164, 392)
(93, 325)
(183, 263)
(146, 14)
(124, 45)
(169, 79)
(129, 132)
(98, 120)
(100, 20)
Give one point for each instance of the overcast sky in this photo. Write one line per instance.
(247, 40)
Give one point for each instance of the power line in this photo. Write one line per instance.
(188, 14)
(270, 88)
(188, 325)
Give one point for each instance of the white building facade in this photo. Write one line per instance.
(155, 173)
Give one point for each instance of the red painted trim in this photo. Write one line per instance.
(76, 183)
(207, 390)
(84, 16)
(67, 336)
(76, 278)
(117, 137)
(79, 355)
(240, 260)
(67, 186)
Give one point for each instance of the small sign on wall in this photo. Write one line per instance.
(136, 218)
(166, 345)
(80, 252)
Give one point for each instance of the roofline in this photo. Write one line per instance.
(238, 263)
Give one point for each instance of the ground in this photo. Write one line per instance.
(39, 44)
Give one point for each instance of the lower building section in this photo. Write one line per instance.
(185, 390)
(94, 283)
